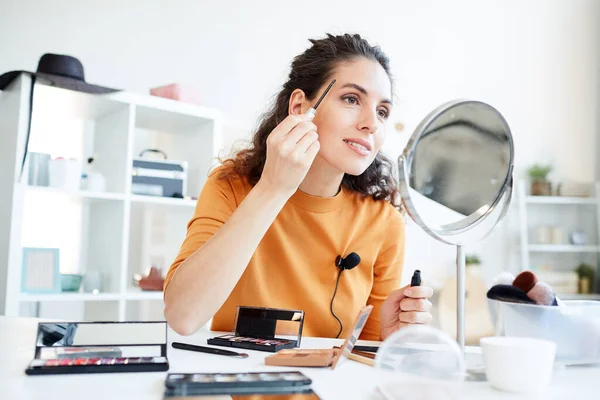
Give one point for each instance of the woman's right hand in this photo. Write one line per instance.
(291, 148)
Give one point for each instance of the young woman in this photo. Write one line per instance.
(271, 221)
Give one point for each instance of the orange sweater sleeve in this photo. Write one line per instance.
(215, 205)
(387, 274)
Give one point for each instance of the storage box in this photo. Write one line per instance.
(165, 178)
(574, 327)
(176, 91)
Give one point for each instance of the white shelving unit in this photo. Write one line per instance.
(115, 232)
(569, 213)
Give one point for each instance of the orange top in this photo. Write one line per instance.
(294, 264)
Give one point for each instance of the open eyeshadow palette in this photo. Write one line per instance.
(93, 347)
(231, 383)
(264, 329)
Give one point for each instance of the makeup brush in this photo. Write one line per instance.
(508, 293)
(525, 281)
(504, 278)
(313, 110)
(542, 294)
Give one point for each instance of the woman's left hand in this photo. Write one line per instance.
(409, 305)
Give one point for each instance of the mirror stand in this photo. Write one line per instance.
(460, 297)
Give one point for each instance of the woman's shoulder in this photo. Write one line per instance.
(377, 209)
(225, 177)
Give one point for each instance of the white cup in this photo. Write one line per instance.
(516, 364)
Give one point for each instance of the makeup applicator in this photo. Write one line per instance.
(313, 110)
(543, 294)
(504, 278)
(508, 293)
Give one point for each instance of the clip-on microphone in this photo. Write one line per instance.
(343, 263)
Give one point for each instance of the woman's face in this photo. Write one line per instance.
(351, 120)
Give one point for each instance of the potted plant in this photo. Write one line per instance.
(472, 260)
(586, 277)
(472, 264)
(540, 186)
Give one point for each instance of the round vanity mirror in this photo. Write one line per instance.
(457, 170)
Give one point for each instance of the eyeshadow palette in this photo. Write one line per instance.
(263, 329)
(229, 383)
(96, 364)
(252, 343)
(99, 347)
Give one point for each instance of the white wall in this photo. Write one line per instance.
(536, 61)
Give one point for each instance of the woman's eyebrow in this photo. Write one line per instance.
(363, 91)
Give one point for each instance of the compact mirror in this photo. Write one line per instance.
(455, 177)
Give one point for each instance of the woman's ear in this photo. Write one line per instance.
(298, 103)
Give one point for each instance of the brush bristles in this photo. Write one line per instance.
(525, 281)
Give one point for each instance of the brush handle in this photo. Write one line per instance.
(209, 350)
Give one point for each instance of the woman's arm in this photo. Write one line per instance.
(204, 280)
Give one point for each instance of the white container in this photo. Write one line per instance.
(519, 365)
(65, 173)
(574, 327)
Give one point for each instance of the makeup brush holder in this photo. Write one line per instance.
(574, 327)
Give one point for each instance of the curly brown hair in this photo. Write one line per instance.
(309, 72)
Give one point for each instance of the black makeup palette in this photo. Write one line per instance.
(99, 347)
(263, 329)
(232, 383)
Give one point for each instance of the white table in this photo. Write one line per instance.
(351, 380)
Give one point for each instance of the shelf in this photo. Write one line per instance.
(156, 200)
(138, 294)
(560, 200)
(66, 296)
(166, 115)
(77, 193)
(58, 101)
(163, 201)
(563, 248)
(115, 232)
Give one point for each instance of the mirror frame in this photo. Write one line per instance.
(463, 231)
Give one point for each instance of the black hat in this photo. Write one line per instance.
(58, 70)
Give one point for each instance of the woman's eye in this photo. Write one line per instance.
(350, 99)
(383, 113)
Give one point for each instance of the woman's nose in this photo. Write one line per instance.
(368, 121)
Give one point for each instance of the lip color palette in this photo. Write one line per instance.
(96, 364)
(256, 329)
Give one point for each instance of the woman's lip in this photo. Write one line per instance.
(361, 142)
(362, 151)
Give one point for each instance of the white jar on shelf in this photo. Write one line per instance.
(65, 173)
